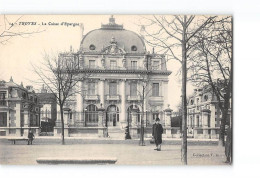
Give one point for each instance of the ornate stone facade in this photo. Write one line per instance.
(204, 114)
(19, 109)
(118, 74)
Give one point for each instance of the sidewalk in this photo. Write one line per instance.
(99, 140)
(126, 154)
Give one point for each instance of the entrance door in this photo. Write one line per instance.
(112, 115)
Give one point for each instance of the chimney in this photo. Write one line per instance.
(11, 79)
(43, 90)
(29, 88)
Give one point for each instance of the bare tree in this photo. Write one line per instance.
(172, 36)
(10, 28)
(59, 73)
(144, 92)
(213, 65)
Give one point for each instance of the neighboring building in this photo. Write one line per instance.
(204, 114)
(48, 110)
(19, 109)
(120, 66)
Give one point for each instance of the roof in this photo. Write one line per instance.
(12, 84)
(112, 33)
(43, 97)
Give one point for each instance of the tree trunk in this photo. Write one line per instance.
(62, 126)
(224, 119)
(184, 102)
(142, 123)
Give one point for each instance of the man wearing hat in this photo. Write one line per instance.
(157, 134)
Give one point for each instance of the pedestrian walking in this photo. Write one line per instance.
(157, 134)
(30, 137)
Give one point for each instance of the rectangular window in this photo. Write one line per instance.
(112, 89)
(91, 63)
(155, 90)
(2, 98)
(198, 121)
(3, 119)
(133, 64)
(156, 65)
(133, 89)
(113, 64)
(91, 88)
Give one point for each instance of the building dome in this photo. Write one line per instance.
(112, 33)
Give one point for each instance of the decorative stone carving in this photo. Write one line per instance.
(103, 61)
(124, 62)
(113, 49)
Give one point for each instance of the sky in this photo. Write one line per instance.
(19, 53)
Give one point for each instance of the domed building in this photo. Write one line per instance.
(119, 76)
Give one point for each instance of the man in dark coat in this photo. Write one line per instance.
(157, 134)
(30, 137)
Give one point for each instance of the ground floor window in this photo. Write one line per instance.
(3, 119)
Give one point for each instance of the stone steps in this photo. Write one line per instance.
(116, 132)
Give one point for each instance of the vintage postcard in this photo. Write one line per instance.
(116, 89)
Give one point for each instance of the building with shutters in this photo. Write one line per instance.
(121, 71)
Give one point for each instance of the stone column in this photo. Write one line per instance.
(58, 120)
(123, 105)
(37, 132)
(79, 109)
(165, 93)
(18, 118)
(205, 116)
(66, 116)
(102, 91)
(168, 113)
(134, 117)
(212, 115)
(26, 121)
(102, 131)
(133, 129)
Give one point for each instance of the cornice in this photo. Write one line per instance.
(109, 71)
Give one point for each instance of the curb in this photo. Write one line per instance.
(92, 161)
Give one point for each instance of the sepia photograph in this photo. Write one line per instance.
(116, 89)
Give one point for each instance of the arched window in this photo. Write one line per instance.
(91, 115)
